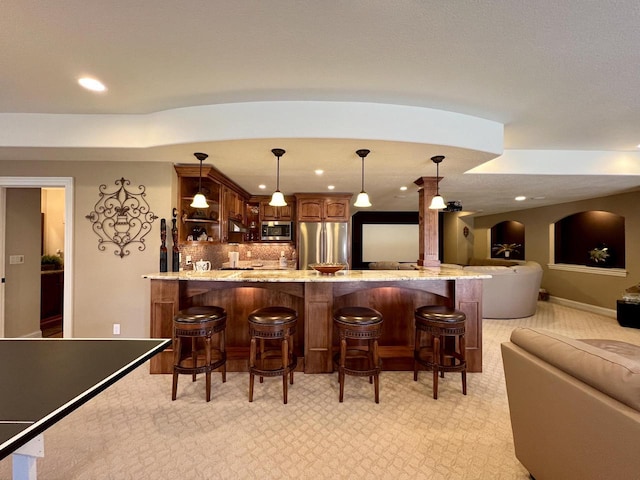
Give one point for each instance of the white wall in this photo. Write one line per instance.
(53, 209)
(456, 247)
(108, 289)
(22, 237)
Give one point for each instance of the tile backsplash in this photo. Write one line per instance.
(218, 253)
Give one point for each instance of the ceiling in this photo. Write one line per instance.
(561, 77)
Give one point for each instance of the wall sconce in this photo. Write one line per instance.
(437, 202)
(363, 198)
(277, 199)
(199, 200)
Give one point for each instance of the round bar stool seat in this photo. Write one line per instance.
(358, 323)
(446, 328)
(199, 324)
(272, 324)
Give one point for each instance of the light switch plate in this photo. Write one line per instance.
(16, 259)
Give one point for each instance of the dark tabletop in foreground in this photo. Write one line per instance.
(42, 380)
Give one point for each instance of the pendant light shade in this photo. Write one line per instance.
(199, 200)
(437, 202)
(277, 199)
(363, 199)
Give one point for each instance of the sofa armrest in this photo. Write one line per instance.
(613, 374)
(564, 428)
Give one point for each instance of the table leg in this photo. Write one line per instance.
(24, 459)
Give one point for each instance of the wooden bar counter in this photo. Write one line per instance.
(395, 293)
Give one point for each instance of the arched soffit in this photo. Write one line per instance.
(236, 121)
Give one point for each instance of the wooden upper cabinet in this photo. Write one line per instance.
(197, 222)
(233, 208)
(321, 208)
(310, 210)
(225, 198)
(336, 209)
(268, 212)
(233, 204)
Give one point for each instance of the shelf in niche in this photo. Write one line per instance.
(567, 267)
(199, 220)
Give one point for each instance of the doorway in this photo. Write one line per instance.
(42, 182)
(51, 261)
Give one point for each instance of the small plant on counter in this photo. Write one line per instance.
(51, 262)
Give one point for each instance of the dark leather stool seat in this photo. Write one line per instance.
(199, 324)
(358, 323)
(272, 324)
(446, 328)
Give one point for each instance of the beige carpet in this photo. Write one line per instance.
(134, 431)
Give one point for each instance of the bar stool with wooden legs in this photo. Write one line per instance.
(358, 323)
(446, 328)
(199, 324)
(271, 324)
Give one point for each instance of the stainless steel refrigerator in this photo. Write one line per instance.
(322, 242)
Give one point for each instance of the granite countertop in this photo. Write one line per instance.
(313, 276)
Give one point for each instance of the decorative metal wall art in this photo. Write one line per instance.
(163, 245)
(176, 251)
(121, 217)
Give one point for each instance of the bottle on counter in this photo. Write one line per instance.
(283, 260)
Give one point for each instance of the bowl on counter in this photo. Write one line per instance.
(327, 268)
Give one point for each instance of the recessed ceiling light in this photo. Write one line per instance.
(319, 171)
(331, 187)
(92, 84)
(520, 198)
(262, 186)
(403, 188)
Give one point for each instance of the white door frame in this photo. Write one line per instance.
(46, 182)
(3, 196)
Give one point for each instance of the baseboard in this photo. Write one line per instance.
(607, 312)
(36, 334)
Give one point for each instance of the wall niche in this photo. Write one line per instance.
(507, 240)
(594, 238)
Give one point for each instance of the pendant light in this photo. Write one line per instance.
(277, 199)
(437, 202)
(199, 200)
(363, 198)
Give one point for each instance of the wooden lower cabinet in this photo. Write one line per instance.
(315, 342)
(51, 298)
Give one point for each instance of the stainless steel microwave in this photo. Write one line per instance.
(281, 231)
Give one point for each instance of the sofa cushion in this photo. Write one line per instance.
(384, 265)
(621, 348)
(611, 373)
(490, 269)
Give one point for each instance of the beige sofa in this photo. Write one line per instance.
(574, 405)
(511, 292)
(388, 265)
